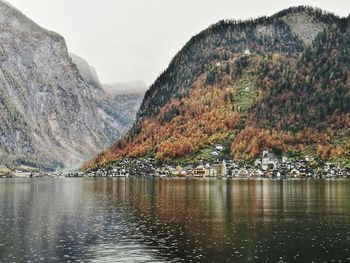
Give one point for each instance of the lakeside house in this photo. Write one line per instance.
(211, 170)
(267, 161)
(200, 171)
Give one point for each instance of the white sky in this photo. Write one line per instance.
(136, 39)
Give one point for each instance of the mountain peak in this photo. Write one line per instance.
(310, 10)
(13, 19)
(306, 22)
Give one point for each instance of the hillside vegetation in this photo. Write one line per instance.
(280, 82)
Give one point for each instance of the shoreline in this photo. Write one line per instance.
(181, 178)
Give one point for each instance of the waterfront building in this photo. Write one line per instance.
(269, 161)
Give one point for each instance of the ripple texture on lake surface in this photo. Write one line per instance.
(163, 220)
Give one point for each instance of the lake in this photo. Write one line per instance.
(174, 220)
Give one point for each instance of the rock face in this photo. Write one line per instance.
(304, 25)
(127, 98)
(87, 71)
(51, 114)
(118, 101)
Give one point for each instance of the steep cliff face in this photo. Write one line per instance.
(117, 103)
(52, 115)
(280, 82)
(87, 71)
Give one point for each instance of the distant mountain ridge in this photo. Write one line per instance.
(279, 82)
(121, 88)
(54, 113)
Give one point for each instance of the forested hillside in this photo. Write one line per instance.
(280, 82)
(306, 101)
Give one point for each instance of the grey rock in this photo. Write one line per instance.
(51, 114)
(304, 25)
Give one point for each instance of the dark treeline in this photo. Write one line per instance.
(311, 91)
(219, 42)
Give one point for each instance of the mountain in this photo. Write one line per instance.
(119, 101)
(52, 115)
(131, 87)
(280, 82)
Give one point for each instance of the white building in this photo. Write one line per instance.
(309, 158)
(257, 162)
(219, 148)
(268, 160)
(224, 168)
(213, 171)
(284, 159)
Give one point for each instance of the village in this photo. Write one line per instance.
(39, 174)
(268, 165)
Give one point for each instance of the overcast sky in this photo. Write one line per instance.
(136, 39)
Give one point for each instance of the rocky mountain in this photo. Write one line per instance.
(87, 71)
(52, 115)
(120, 101)
(280, 82)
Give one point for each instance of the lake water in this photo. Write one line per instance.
(164, 220)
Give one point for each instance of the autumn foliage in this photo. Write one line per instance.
(181, 126)
(251, 141)
(283, 96)
(328, 151)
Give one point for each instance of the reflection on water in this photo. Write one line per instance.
(145, 220)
